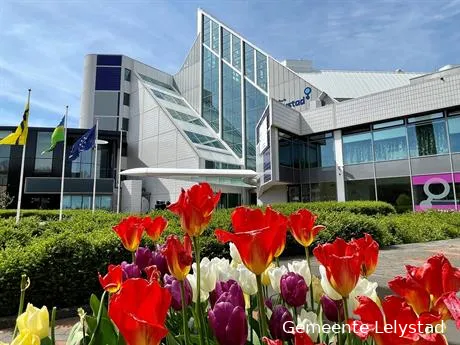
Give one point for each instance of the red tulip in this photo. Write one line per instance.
(130, 231)
(303, 228)
(257, 236)
(394, 311)
(154, 227)
(111, 282)
(302, 338)
(342, 261)
(153, 273)
(178, 256)
(195, 207)
(272, 342)
(139, 311)
(369, 250)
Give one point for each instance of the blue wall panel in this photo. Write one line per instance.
(109, 60)
(108, 78)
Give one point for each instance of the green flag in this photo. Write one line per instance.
(57, 136)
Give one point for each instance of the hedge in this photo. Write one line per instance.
(62, 258)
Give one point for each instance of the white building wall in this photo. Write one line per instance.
(274, 195)
(131, 196)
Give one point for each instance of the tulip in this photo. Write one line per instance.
(332, 309)
(318, 291)
(33, 321)
(208, 275)
(178, 256)
(301, 338)
(279, 318)
(173, 286)
(369, 250)
(275, 275)
(192, 279)
(143, 258)
(307, 321)
(302, 226)
(152, 273)
(265, 277)
(154, 227)
(228, 291)
(293, 289)
(195, 207)
(130, 271)
(326, 286)
(111, 282)
(247, 280)
(363, 288)
(301, 267)
(139, 311)
(236, 258)
(228, 323)
(342, 262)
(256, 236)
(224, 270)
(272, 342)
(159, 260)
(25, 339)
(130, 231)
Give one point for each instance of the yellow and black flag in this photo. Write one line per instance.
(19, 136)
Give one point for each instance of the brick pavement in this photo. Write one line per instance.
(391, 264)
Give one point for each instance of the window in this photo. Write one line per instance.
(109, 60)
(433, 191)
(231, 109)
(248, 61)
(360, 190)
(215, 36)
(285, 150)
(77, 202)
(82, 166)
(226, 42)
(4, 162)
(236, 52)
(454, 133)
(357, 148)
(169, 98)
(156, 82)
(427, 138)
(43, 162)
(390, 144)
(204, 140)
(125, 124)
(210, 94)
(108, 78)
(261, 60)
(219, 165)
(395, 191)
(126, 99)
(321, 151)
(185, 117)
(127, 74)
(322, 191)
(206, 30)
(229, 200)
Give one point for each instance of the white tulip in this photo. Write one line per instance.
(208, 275)
(275, 274)
(307, 321)
(328, 289)
(222, 268)
(235, 254)
(301, 267)
(247, 280)
(363, 288)
(203, 295)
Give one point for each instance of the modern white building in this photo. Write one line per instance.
(305, 134)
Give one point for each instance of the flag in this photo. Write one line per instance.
(84, 143)
(57, 136)
(19, 136)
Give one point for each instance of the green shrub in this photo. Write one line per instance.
(368, 208)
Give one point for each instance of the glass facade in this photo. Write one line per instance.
(226, 46)
(357, 148)
(206, 31)
(43, 162)
(261, 63)
(255, 103)
(320, 153)
(454, 133)
(4, 162)
(390, 144)
(236, 52)
(360, 190)
(248, 61)
(231, 109)
(215, 36)
(434, 191)
(75, 202)
(428, 138)
(210, 94)
(395, 191)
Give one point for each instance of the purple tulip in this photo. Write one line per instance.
(173, 285)
(228, 291)
(130, 271)
(143, 258)
(228, 323)
(280, 316)
(293, 289)
(159, 260)
(269, 303)
(332, 309)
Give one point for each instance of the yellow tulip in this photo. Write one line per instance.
(317, 289)
(34, 321)
(265, 276)
(26, 338)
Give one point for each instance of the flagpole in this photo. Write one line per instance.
(95, 165)
(64, 160)
(21, 178)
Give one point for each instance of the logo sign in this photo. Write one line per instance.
(301, 101)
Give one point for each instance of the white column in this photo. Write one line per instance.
(339, 165)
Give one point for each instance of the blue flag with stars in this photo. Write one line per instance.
(84, 143)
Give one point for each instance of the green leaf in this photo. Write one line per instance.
(46, 341)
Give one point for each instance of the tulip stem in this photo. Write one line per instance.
(133, 256)
(262, 317)
(345, 309)
(196, 246)
(184, 313)
(249, 319)
(294, 310)
(98, 320)
(53, 325)
(307, 253)
(320, 318)
(24, 285)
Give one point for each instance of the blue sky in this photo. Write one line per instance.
(43, 43)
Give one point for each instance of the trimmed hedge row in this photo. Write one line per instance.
(62, 258)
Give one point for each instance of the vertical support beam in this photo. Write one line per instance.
(340, 185)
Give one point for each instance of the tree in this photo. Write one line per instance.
(5, 199)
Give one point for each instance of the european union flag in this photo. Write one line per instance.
(84, 143)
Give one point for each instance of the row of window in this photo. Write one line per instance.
(204, 140)
(169, 98)
(178, 115)
(427, 135)
(75, 202)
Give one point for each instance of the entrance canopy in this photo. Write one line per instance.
(236, 177)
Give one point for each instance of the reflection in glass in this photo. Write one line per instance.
(236, 52)
(395, 191)
(360, 190)
(390, 144)
(321, 152)
(231, 109)
(261, 62)
(454, 133)
(248, 61)
(427, 139)
(226, 51)
(357, 148)
(206, 30)
(215, 36)
(285, 150)
(323, 191)
(210, 95)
